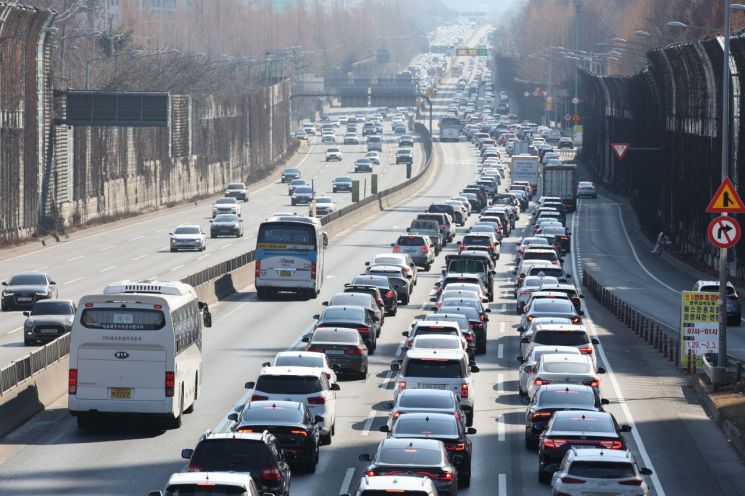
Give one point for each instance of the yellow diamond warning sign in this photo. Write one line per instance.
(726, 199)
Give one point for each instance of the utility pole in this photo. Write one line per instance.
(725, 170)
(577, 12)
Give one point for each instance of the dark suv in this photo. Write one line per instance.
(256, 453)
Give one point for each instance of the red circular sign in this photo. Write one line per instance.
(724, 232)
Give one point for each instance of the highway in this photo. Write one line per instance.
(138, 247)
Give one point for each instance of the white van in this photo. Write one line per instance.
(375, 143)
(137, 349)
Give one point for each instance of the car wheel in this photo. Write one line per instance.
(469, 418)
(293, 203)
(405, 299)
(176, 422)
(427, 267)
(261, 293)
(326, 439)
(465, 479)
(173, 250)
(26, 341)
(544, 477)
(213, 236)
(531, 444)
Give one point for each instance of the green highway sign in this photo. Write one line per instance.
(471, 52)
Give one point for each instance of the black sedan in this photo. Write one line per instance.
(26, 288)
(290, 174)
(353, 317)
(569, 429)
(387, 291)
(344, 349)
(48, 320)
(341, 183)
(404, 156)
(295, 428)
(226, 225)
(443, 427)
(554, 398)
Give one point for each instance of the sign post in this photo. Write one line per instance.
(699, 327)
(724, 232)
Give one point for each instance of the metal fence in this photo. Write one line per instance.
(670, 113)
(25, 367)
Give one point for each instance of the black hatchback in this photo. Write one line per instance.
(443, 427)
(291, 423)
(387, 291)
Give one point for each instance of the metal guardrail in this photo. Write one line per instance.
(25, 367)
(665, 339)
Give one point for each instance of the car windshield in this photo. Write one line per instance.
(292, 171)
(187, 230)
(566, 396)
(270, 413)
(433, 368)
(297, 182)
(561, 338)
(226, 201)
(548, 305)
(426, 427)
(410, 456)
(566, 367)
(288, 384)
(343, 179)
(715, 289)
(304, 190)
(226, 218)
(323, 200)
(299, 361)
(602, 470)
(324, 336)
(28, 279)
(52, 308)
(229, 455)
(579, 422)
(236, 186)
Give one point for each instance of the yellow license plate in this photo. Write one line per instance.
(121, 393)
(285, 273)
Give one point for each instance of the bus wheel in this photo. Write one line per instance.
(261, 293)
(175, 423)
(196, 388)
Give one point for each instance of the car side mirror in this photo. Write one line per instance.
(524, 340)
(233, 416)
(408, 229)
(551, 467)
(601, 370)
(26, 314)
(625, 428)
(211, 221)
(365, 457)
(186, 453)
(520, 359)
(528, 369)
(567, 275)
(486, 319)
(249, 385)
(160, 493)
(266, 364)
(207, 318)
(335, 387)
(604, 401)
(52, 283)
(487, 310)
(581, 313)
(645, 471)
(384, 428)
(317, 317)
(325, 303)
(367, 264)
(475, 368)
(595, 341)
(471, 430)
(405, 333)
(5, 283)
(317, 419)
(305, 339)
(395, 366)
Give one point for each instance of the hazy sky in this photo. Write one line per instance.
(488, 5)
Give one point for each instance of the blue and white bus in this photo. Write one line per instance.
(450, 128)
(290, 255)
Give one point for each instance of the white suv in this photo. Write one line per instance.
(371, 486)
(438, 369)
(192, 482)
(333, 153)
(307, 385)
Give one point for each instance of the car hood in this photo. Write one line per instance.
(215, 205)
(186, 236)
(51, 319)
(225, 224)
(24, 288)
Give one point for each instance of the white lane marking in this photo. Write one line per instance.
(502, 327)
(612, 376)
(225, 421)
(14, 330)
(502, 485)
(72, 281)
(500, 384)
(504, 307)
(177, 268)
(347, 481)
(38, 269)
(74, 258)
(330, 276)
(633, 250)
(160, 230)
(226, 246)
(107, 247)
(500, 351)
(135, 238)
(139, 258)
(203, 256)
(368, 423)
(500, 428)
(106, 269)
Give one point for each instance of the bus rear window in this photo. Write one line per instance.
(290, 233)
(123, 319)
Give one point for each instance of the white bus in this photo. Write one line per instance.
(137, 349)
(290, 255)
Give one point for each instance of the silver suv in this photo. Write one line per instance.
(419, 247)
(438, 369)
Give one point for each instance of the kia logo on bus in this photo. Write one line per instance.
(121, 355)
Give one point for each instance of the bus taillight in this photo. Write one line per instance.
(72, 382)
(170, 384)
(313, 271)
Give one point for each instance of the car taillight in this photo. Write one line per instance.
(425, 249)
(529, 318)
(379, 301)
(409, 343)
(541, 382)
(462, 247)
(490, 246)
(259, 397)
(244, 429)
(446, 475)
(525, 292)
(299, 432)
(72, 381)
(593, 383)
(315, 349)
(617, 445)
(170, 384)
(363, 329)
(571, 480)
(396, 249)
(469, 337)
(270, 474)
(576, 320)
(257, 272)
(586, 350)
(464, 390)
(553, 443)
(564, 238)
(313, 271)
(556, 263)
(482, 317)
(389, 294)
(455, 446)
(401, 385)
(357, 350)
(317, 400)
(540, 416)
(631, 482)
(370, 473)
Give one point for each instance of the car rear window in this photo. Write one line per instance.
(602, 470)
(410, 456)
(540, 255)
(230, 455)
(466, 266)
(345, 313)
(566, 367)
(436, 343)
(552, 305)
(299, 360)
(288, 384)
(430, 329)
(715, 289)
(270, 414)
(433, 368)
(204, 490)
(581, 423)
(476, 240)
(426, 427)
(410, 241)
(434, 401)
(461, 279)
(471, 313)
(350, 299)
(398, 492)
(561, 338)
(325, 336)
(123, 319)
(566, 397)
(546, 271)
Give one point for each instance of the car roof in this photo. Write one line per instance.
(560, 327)
(292, 370)
(565, 357)
(601, 455)
(242, 480)
(397, 483)
(435, 323)
(435, 354)
(393, 442)
(38, 273)
(295, 405)
(300, 353)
